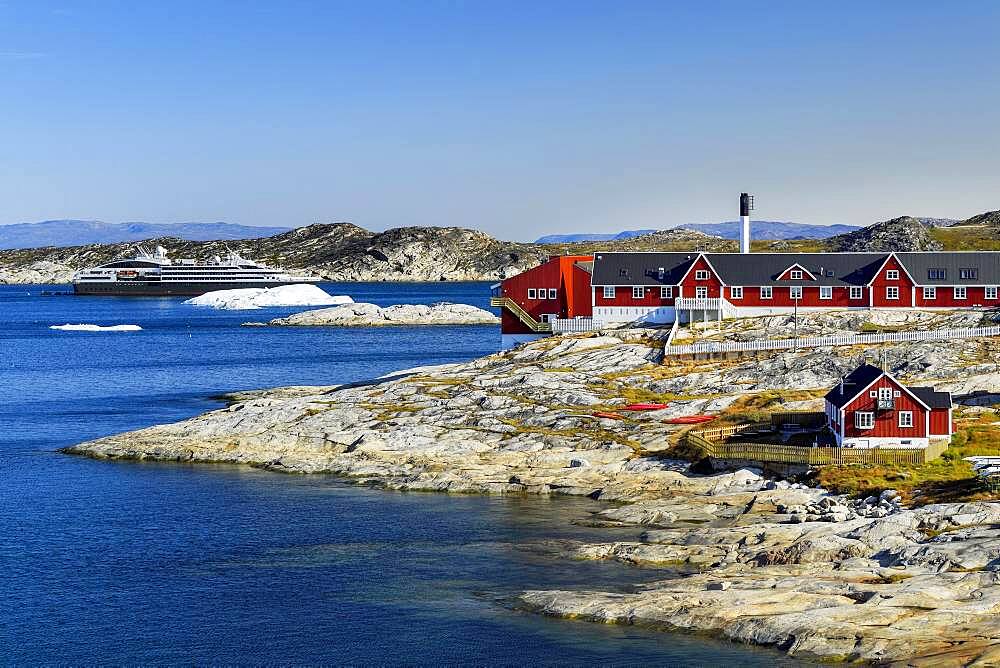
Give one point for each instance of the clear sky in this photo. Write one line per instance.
(517, 118)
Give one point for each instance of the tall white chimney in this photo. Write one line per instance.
(746, 206)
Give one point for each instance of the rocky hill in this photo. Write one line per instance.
(988, 219)
(339, 252)
(80, 232)
(899, 234)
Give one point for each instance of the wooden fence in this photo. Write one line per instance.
(714, 443)
(840, 340)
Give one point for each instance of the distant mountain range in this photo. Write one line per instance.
(759, 229)
(82, 232)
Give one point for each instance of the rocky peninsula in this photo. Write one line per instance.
(907, 576)
(371, 315)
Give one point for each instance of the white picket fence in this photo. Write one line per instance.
(840, 340)
(563, 325)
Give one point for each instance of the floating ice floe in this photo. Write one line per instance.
(87, 327)
(284, 295)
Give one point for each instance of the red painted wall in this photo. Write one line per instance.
(880, 283)
(781, 297)
(786, 274)
(944, 298)
(941, 422)
(559, 273)
(886, 422)
(623, 297)
(577, 287)
(689, 283)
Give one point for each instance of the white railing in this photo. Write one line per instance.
(563, 325)
(720, 304)
(839, 340)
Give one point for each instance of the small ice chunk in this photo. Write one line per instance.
(246, 299)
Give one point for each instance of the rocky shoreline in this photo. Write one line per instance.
(767, 562)
(398, 315)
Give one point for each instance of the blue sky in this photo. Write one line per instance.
(516, 118)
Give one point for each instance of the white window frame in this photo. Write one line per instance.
(532, 293)
(666, 292)
(826, 292)
(960, 292)
(991, 292)
(857, 292)
(766, 292)
(609, 292)
(542, 293)
(892, 292)
(864, 420)
(795, 274)
(930, 293)
(701, 292)
(736, 292)
(892, 274)
(701, 274)
(795, 292)
(908, 421)
(553, 293)
(638, 292)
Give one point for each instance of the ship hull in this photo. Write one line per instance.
(170, 288)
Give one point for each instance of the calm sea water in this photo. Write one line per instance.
(104, 562)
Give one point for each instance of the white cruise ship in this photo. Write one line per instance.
(157, 275)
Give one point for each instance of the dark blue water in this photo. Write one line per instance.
(105, 562)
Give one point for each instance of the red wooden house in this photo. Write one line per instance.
(870, 408)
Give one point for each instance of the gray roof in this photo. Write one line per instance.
(986, 264)
(641, 268)
(931, 397)
(854, 382)
(828, 268)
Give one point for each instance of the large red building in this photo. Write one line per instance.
(870, 408)
(617, 288)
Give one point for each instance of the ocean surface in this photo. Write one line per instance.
(138, 563)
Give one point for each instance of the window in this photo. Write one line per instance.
(701, 275)
(991, 292)
(660, 273)
(765, 291)
(905, 418)
(701, 293)
(930, 293)
(968, 274)
(638, 292)
(666, 292)
(795, 292)
(892, 275)
(552, 293)
(856, 292)
(736, 292)
(892, 292)
(959, 293)
(937, 274)
(531, 293)
(826, 292)
(795, 275)
(864, 420)
(609, 292)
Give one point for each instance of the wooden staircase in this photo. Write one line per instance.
(522, 315)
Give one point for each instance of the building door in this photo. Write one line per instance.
(701, 293)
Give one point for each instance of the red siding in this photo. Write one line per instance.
(623, 297)
(577, 286)
(690, 282)
(781, 297)
(806, 274)
(975, 295)
(886, 422)
(558, 273)
(941, 422)
(880, 283)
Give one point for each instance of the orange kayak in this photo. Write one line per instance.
(610, 416)
(690, 419)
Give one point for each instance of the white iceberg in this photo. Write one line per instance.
(246, 299)
(87, 327)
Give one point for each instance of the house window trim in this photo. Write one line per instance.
(766, 292)
(609, 292)
(795, 275)
(701, 275)
(930, 292)
(909, 416)
(892, 292)
(532, 293)
(638, 292)
(867, 423)
(553, 293)
(826, 292)
(795, 292)
(701, 292)
(960, 289)
(892, 274)
(666, 292)
(736, 292)
(990, 290)
(937, 274)
(968, 273)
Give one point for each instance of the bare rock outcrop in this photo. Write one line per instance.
(370, 315)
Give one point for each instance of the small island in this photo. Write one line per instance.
(371, 315)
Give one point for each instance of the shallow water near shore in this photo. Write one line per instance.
(127, 562)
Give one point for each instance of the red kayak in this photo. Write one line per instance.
(645, 407)
(610, 416)
(690, 419)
